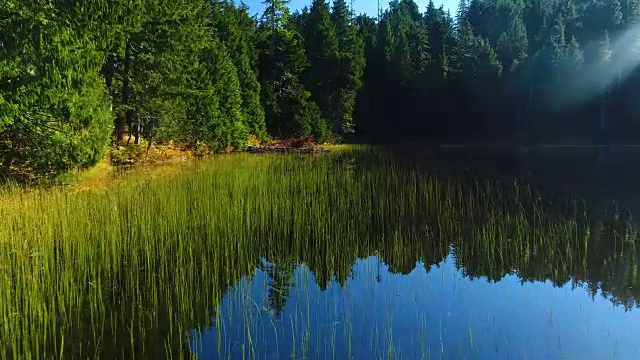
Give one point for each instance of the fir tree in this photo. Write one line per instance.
(350, 66)
(288, 107)
(237, 30)
(322, 51)
(54, 108)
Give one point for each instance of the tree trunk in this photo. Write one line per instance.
(137, 129)
(150, 136)
(126, 95)
(120, 124)
(130, 124)
(109, 71)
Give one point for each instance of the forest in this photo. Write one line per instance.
(78, 77)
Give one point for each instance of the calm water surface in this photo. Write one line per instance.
(441, 299)
(364, 253)
(433, 312)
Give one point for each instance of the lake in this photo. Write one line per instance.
(361, 253)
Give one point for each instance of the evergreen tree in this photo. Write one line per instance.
(350, 66)
(462, 14)
(539, 17)
(574, 57)
(212, 105)
(54, 108)
(440, 36)
(513, 46)
(237, 30)
(367, 113)
(322, 50)
(205, 74)
(403, 36)
(160, 66)
(568, 12)
(440, 30)
(288, 107)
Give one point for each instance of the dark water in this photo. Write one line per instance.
(459, 295)
(609, 173)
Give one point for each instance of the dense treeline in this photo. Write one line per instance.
(77, 75)
(525, 70)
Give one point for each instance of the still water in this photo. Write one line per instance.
(449, 304)
(434, 312)
(363, 253)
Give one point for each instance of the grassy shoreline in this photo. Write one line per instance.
(133, 161)
(130, 272)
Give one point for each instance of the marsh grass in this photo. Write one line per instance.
(128, 271)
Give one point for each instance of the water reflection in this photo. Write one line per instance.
(451, 266)
(362, 254)
(432, 312)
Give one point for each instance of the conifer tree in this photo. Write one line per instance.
(289, 109)
(237, 31)
(350, 66)
(440, 30)
(513, 45)
(54, 109)
(322, 51)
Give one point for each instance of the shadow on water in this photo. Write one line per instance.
(369, 253)
(609, 173)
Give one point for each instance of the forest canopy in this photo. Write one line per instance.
(77, 76)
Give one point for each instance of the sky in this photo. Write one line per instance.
(361, 6)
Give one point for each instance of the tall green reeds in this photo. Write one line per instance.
(127, 272)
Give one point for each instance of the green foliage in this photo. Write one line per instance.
(129, 154)
(321, 45)
(206, 74)
(350, 67)
(212, 105)
(54, 111)
(513, 45)
(238, 32)
(289, 107)
(138, 269)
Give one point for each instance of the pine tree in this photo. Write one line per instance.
(513, 45)
(160, 64)
(557, 49)
(237, 30)
(462, 14)
(488, 72)
(539, 17)
(367, 115)
(322, 50)
(288, 107)
(54, 109)
(440, 34)
(350, 66)
(275, 12)
(574, 58)
(440, 30)
(568, 11)
(477, 17)
(404, 41)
